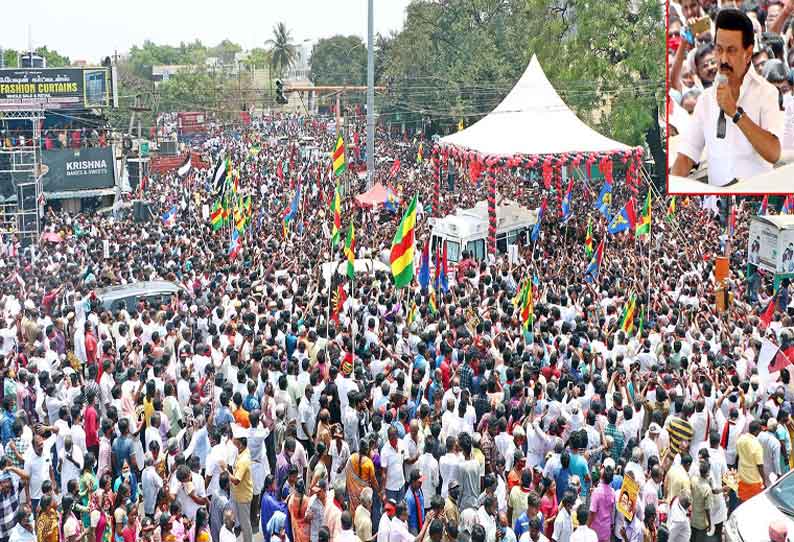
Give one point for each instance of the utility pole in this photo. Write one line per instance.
(136, 110)
(370, 96)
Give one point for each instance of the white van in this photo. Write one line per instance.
(468, 229)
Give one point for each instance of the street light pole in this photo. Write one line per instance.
(370, 96)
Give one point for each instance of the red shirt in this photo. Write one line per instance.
(91, 427)
(446, 372)
(90, 347)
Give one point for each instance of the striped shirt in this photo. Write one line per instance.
(680, 430)
(618, 441)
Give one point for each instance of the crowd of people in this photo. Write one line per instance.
(255, 401)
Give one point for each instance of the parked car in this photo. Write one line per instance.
(750, 521)
(127, 296)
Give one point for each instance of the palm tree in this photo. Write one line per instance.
(283, 53)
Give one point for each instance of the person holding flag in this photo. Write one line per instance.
(350, 252)
(536, 227)
(566, 203)
(643, 227)
(402, 248)
(593, 268)
(424, 267)
(588, 240)
(604, 202)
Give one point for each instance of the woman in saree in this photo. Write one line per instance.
(101, 502)
(360, 474)
(88, 485)
(201, 530)
(298, 505)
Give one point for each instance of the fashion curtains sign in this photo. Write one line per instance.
(56, 88)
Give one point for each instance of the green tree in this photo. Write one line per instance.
(225, 51)
(339, 60)
(150, 54)
(283, 51)
(258, 58)
(10, 58)
(54, 59)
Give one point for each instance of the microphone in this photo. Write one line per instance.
(721, 79)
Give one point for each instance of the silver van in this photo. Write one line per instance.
(127, 296)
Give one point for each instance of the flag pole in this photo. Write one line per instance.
(650, 248)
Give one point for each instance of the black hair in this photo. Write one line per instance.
(734, 19)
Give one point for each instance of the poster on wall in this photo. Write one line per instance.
(762, 249)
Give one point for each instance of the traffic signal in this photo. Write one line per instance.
(280, 98)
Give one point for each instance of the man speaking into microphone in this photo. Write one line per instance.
(738, 119)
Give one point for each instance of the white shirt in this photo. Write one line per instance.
(563, 526)
(399, 532)
(392, 461)
(227, 535)
(448, 467)
(428, 466)
(384, 528)
(38, 469)
(733, 156)
(583, 533)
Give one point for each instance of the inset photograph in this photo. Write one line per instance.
(730, 109)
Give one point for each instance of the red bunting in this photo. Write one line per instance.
(547, 172)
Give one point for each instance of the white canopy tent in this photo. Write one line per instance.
(531, 120)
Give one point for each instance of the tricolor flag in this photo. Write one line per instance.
(536, 227)
(732, 221)
(169, 217)
(184, 169)
(442, 283)
(566, 202)
(219, 177)
(235, 244)
(424, 267)
(292, 211)
(627, 321)
(402, 248)
(340, 164)
(431, 301)
(671, 209)
(788, 206)
(591, 273)
(411, 314)
(763, 210)
(350, 251)
(527, 306)
(216, 216)
(644, 225)
(336, 213)
(420, 154)
(588, 240)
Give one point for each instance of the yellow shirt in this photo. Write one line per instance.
(678, 482)
(148, 410)
(244, 491)
(750, 454)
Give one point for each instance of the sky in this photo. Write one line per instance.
(92, 29)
